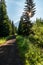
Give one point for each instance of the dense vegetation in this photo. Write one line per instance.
(30, 53)
(31, 46)
(38, 32)
(5, 22)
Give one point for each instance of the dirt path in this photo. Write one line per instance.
(9, 54)
(9, 42)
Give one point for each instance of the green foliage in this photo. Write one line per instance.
(25, 23)
(5, 23)
(29, 53)
(2, 40)
(20, 26)
(22, 45)
(12, 28)
(38, 33)
(24, 27)
(30, 8)
(33, 57)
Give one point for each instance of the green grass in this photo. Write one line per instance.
(2, 40)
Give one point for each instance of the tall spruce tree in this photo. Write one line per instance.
(13, 28)
(20, 28)
(4, 20)
(29, 12)
(30, 8)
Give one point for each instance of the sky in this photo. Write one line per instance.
(15, 9)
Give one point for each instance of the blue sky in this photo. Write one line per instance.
(16, 7)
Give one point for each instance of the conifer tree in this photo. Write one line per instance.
(29, 12)
(13, 28)
(4, 20)
(30, 8)
(20, 28)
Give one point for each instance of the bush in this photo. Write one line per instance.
(37, 29)
(29, 53)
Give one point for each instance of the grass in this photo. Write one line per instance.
(2, 40)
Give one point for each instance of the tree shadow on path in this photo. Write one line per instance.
(9, 53)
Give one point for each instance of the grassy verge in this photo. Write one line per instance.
(2, 40)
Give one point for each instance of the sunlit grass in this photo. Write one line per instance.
(2, 40)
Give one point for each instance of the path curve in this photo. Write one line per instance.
(9, 53)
